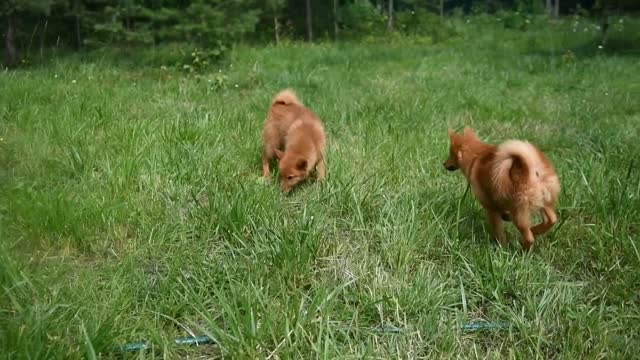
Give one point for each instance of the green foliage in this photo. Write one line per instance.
(199, 60)
(532, 7)
(206, 22)
(189, 58)
(115, 26)
(479, 8)
(421, 22)
(515, 20)
(213, 26)
(362, 18)
(217, 25)
(21, 6)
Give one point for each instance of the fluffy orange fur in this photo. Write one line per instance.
(291, 125)
(511, 181)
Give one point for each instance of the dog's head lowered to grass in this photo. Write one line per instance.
(456, 144)
(293, 169)
(451, 163)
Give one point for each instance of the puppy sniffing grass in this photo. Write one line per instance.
(511, 181)
(292, 126)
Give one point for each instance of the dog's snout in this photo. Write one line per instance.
(449, 167)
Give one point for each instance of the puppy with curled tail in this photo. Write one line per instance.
(511, 181)
(299, 131)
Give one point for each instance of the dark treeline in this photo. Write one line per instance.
(33, 25)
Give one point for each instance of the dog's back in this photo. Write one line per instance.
(285, 109)
(299, 130)
(522, 174)
(307, 129)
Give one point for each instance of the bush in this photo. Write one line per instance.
(214, 25)
(515, 20)
(182, 57)
(423, 23)
(187, 58)
(361, 18)
(199, 59)
(530, 6)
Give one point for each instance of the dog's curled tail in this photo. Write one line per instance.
(518, 161)
(286, 97)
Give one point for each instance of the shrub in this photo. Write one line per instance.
(362, 18)
(212, 25)
(423, 23)
(515, 20)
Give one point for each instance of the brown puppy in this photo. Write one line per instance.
(300, 131)
(511, 181)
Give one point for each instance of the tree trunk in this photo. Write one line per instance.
(556, 8)
(441, 8)
(276, 29)
(10, 41)
(549, 8)
(78, 35)
(390, 15)
(127, 18)
(309, 24)
(335, 19)
(43, 38)
(604, 23)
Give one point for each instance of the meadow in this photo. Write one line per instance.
(132, 208)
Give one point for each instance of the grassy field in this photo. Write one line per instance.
(132, 207)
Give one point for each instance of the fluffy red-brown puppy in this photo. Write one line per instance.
(291, 125)
(512, 180)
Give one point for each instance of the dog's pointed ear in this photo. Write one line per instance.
(451, 133)
(279, 154)
(468, 132)
(301, 165)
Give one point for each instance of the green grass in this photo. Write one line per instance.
(132, 206)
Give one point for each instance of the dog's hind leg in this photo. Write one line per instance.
(549, 218)
(522, 222)
(320, 169)
(495, 219)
